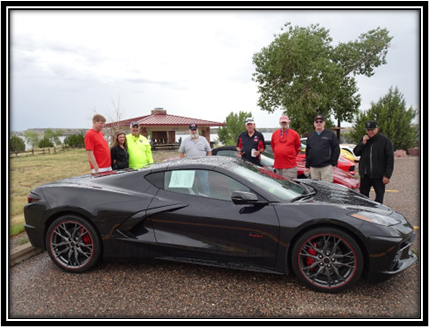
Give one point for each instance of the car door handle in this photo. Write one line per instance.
(259, 235)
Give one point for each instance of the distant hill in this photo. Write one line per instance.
(67, 131)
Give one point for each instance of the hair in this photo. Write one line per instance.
(116, 142)
(98, 117)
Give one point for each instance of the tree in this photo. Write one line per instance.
(32, 138)
(393, 118)
(45, 143)
(228, 134)
(16, 144)
(301, 73)
(53, 136)
(75, 140)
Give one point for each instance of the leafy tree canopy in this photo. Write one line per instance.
(303, 74)
(45, 143)
(53, 136)
(32, 138)
(228, 135)
(16, 144)
(393, 118)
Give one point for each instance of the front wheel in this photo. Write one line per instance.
(73, 244)
(327, 260)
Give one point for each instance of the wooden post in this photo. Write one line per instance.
(32, 151)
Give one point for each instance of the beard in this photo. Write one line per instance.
(194, 136)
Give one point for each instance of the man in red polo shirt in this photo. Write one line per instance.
(96, 146)
(286, 145)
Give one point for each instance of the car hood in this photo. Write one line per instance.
(331, 193)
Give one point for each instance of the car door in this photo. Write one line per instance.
(211, 226)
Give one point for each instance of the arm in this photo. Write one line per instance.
(335, 150)
(92, 160)
(149, 156)
(113, 156)
(297, 144)
(390, 159)
(358, 150)
(182, 150)
(239, 144)
(307, 152)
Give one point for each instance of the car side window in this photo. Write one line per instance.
(202, 183)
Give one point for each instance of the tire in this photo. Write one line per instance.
(327, 260)
(73, 244)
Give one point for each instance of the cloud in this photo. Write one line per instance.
(193, 63)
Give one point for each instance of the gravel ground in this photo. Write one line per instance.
(159, 289)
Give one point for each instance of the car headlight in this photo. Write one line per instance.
(376, 218)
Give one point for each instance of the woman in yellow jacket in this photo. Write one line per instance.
(139, 148)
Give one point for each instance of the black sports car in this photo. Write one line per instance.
(223, 212)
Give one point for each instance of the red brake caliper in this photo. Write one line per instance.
(311, 260)
(86, 239)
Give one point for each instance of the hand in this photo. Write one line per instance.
(386, 180)
(365, 138)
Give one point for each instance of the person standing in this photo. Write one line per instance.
(96, 146)
(286, 145)
(376, 161)
(194, 145)
(322, 151)
(118, 152)
(251, 143)
(139, 149)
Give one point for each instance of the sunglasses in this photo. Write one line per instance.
(318, 121)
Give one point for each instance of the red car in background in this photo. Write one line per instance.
(343, 163)
(267, 160)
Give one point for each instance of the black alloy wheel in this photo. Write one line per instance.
(327, 260)
(73, 244)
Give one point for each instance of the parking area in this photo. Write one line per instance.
(164, 290)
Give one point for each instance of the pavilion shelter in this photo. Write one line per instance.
(163, 127)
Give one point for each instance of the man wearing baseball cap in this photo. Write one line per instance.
(376, 161)
(139, 149)
(251, 143)
(197, 146)
(322, 151)
(194, 145)
(286, 145)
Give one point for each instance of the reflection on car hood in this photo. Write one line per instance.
(337, 194)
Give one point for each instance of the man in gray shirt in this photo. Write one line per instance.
(194, 145)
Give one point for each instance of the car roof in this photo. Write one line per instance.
(208, 162)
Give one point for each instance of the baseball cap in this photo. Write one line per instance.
(249, 121)
(133, 123)
(319, 117)
(193, 126)
(284, 119)
(371, 124)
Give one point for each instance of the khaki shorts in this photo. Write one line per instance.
(289, 173)
(322, 174)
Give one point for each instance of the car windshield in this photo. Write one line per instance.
(280, 187)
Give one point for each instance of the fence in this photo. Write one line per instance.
(41, 151)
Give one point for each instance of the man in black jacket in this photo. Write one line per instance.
(322, 151)
(376, 161)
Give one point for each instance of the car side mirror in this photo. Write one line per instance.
(241, 197)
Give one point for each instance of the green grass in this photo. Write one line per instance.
(28, 172)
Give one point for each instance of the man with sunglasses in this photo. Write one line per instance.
(322, 151)
(376, 161)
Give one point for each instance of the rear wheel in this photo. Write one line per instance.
(73, 244)
(327, 260)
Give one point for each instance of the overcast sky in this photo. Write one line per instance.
(65, 64)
